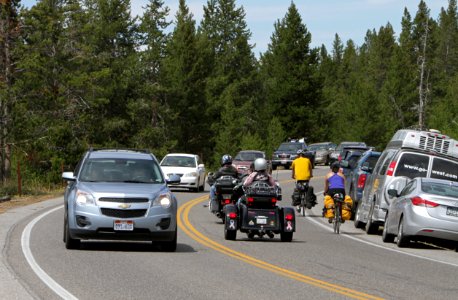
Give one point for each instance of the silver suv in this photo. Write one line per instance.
(119, 195)
(409, 154)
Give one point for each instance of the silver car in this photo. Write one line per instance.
(119, 195)
(425, 208)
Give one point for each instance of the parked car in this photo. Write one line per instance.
(188, 166)
(426, 208)
(410, 153)
(322, 152)
(348, 164)
(245, 158)
(357, 177)
(287, 152)
(339, 153)
(119, 195)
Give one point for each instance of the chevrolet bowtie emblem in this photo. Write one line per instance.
(124, 206)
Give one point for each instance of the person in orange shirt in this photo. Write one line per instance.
(302, 173)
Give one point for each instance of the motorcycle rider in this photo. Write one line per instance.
(301, 172)
(227, 169)
(259, 173)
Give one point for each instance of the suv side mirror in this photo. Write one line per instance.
(393, 193)
(201, 166)
(69, 176)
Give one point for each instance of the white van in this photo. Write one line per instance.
(409, 154)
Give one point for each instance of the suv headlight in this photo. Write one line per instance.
(164, 200)
(192, 174)
(84, 198)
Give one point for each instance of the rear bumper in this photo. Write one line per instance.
(419, 223)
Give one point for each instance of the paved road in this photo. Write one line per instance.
(317, 265)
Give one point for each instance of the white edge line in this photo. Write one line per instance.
(376, 245)
(25, 244)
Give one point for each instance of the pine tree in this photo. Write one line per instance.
(9, 33)
(290, 69)
(149, 110)
(184, 78)
(233, 88)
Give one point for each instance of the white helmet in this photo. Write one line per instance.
(260, 164)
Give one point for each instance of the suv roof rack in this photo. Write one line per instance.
(427, 140)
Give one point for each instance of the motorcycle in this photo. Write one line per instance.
(257, 213)
(224, 191)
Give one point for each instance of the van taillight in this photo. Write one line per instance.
(362, 181)
(391, 168)
(418, 201)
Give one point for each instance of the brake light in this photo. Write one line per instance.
(274, 200)
(339, 158)
(227, 201)
(362, 181)
(232, 215)
(250, 199)
(391, 168)
(418, 201)
(289, 217)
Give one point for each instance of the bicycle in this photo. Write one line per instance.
(302, 188)
(337, 220)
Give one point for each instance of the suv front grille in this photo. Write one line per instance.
(123, 213)
(434, 144)
(124, 200)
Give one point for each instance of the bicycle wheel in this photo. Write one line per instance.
(303, 204)
(337, 219)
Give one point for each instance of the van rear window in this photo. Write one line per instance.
(444, 169)
(412, 165)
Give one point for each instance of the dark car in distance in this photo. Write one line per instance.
(287, 152)
(245, 158)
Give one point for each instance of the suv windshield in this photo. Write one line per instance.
(121, 170)
(248, 156)
(290, 147)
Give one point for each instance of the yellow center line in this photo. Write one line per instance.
(185, 225)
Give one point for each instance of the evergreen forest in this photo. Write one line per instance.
(76, 74)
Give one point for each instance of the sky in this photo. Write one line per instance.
(350, 19)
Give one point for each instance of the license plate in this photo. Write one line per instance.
(261, 220)
(124, 225)
(452, 211)
(283, 161)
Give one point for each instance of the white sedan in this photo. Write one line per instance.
(188, 166)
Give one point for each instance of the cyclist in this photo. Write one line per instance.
(334, 182)
(302, 173)
(226, 169)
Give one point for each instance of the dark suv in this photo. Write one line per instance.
(287, 152)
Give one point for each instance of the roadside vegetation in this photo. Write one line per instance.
(85, 73)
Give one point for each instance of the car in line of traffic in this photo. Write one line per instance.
(189, 167)
(245, 158)
(322, 151)
(119, 194)
(340, 151)
(426, 209)
(399, 189)
(287, 152)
